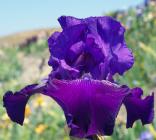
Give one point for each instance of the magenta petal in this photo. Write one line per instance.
(90, 106)
(15, 103)
(138, 108)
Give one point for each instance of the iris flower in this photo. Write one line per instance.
(93, 45)
(85, 56)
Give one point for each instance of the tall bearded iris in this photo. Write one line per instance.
(84, 57)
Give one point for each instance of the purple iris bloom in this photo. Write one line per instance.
(84, 56)
(94, 45)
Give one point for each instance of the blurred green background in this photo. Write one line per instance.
(23, 60)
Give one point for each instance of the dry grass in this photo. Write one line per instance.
(17, 38)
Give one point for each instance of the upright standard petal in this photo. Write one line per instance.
(123, 59)
(109, 39)
(138, 108)
(65, 40)
(67, 21)
(90, 106)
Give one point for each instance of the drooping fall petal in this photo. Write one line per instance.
(15, 103)
(90, 106)
(138, 108)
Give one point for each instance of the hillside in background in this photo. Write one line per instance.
(140, 24)
(24, 58)
(21, 38)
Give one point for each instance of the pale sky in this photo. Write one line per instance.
(21, 15)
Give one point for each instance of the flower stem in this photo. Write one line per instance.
(97, 137)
